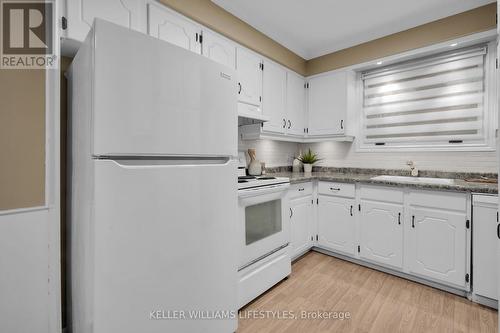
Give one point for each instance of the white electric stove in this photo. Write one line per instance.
(263, 233)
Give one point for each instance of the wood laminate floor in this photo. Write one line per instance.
(376, 302)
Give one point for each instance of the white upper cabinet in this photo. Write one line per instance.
(274, 97)
(169, 26)
(381, 233)
(219, 49)
(295, 104)
(80, 15)
(249, 69)
(327, 96)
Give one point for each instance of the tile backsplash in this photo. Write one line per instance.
(341, 155)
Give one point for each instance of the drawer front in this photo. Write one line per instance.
(300, 190)
(338, 189)
(381, 193)
(440, 200)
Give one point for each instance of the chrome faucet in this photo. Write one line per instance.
(414, 170)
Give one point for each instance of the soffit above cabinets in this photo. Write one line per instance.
(312, 29)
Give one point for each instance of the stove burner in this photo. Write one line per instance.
(265, 178)
(242, 181)
(246, 177)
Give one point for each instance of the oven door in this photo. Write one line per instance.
(264, 226)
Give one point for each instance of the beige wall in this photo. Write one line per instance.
(466, 23)
(22, 138)
(217, 19)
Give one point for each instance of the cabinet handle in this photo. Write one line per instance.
(291, 212)
(239, 85)
(351, 210)
(284, 122)
(301, 189)
(498, 230)
(334, 189)
(399, 218)
(342, 124)
(289, 124)
(413, 221)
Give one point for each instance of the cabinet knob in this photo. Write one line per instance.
(239, 85)
(498, 231)
(334, 189)
(399, 218)
(413, 221)
(342, 124)
(284, 122)
(289, 124)
(291, 212)
(351, 210)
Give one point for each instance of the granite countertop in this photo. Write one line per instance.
(459, 185)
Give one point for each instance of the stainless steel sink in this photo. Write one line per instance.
(415, 180)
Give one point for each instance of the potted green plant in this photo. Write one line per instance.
(308, 159)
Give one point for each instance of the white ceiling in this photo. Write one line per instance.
(312, 28)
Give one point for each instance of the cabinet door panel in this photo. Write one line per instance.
(81, 14)
(484, 250)
(327, 104)
(219, 49)
(170, 27)
(336, 224)
(381, 233)
(274, 94)
(249, 77)
(295, 105)
(300, 219)
(437, 245)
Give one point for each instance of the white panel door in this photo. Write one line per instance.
(336, 224)
(274, 97)
(219, 49)
(300, 220)
(295, 104)
(81, 14)
(171, 102)
(152, 247)
(437, 245)
(381, 233)
(327, 104)
(169, 26)
(484, 251)
(248, 65)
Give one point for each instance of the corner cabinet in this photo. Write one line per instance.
(327, 104)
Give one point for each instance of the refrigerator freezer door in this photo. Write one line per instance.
(164, 240)
(152, 97)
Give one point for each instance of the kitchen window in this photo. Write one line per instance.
(440, 102)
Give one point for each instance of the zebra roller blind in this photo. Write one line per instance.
(437, 100)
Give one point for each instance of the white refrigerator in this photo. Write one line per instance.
(153, 192)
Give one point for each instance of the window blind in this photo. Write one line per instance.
(438, 99)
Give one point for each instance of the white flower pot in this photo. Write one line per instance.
(308, 168)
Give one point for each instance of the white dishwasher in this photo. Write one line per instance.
(485, 232)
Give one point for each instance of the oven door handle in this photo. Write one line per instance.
(253, 192)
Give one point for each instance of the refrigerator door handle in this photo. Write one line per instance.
(129, 162)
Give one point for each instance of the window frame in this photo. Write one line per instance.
(490, 116)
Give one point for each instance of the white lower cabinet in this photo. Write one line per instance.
(437, 237)
(484, 247)
(301, 218)
(381, 233)
(437, 245)
(336, 224)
